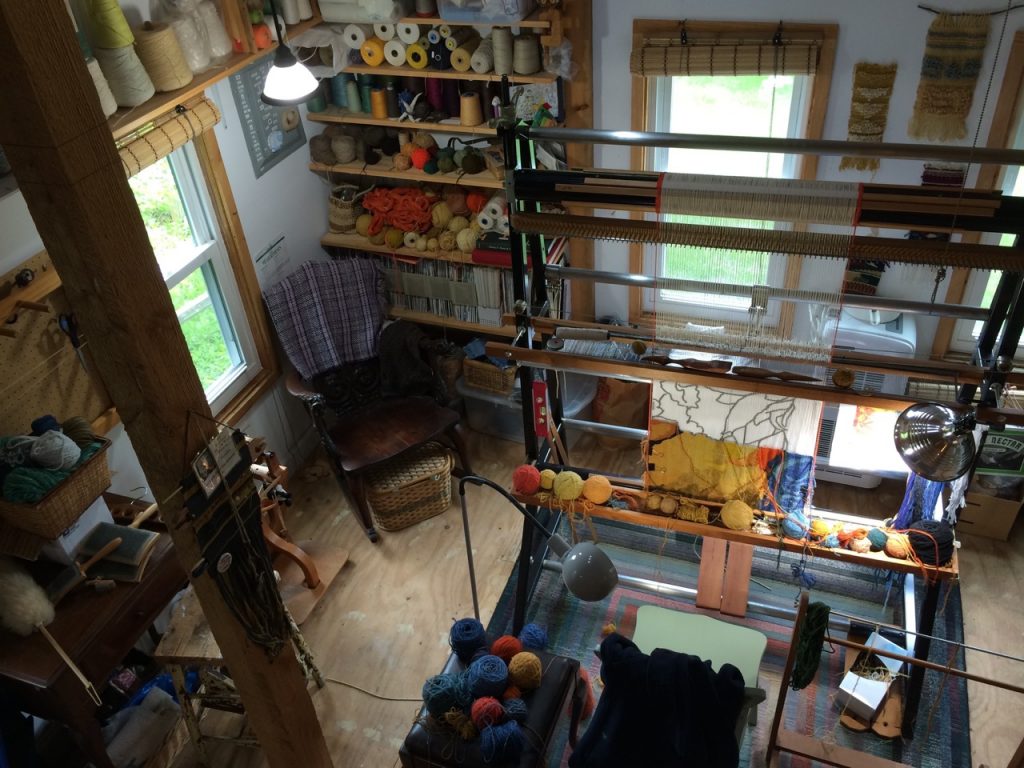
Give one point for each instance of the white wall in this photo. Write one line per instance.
(869, 30)
(288, 200)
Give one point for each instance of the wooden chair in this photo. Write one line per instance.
(360, 429)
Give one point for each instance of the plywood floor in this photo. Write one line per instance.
(383, 625)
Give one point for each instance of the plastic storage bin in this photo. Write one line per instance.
(502, 416)
(499, 11)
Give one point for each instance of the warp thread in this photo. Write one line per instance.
(466, 636)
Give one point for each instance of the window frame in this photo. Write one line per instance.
(814, 123)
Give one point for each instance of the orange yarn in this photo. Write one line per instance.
(404, 208)
(476, 201)
(589, 702)
(512, 692)
(505, 647)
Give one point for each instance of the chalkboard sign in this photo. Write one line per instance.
(272, 133)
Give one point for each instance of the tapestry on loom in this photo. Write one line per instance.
(939, 175)
(789, 479)
(749, 418)
(949, 72)
(869, 109)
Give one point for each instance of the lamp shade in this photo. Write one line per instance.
(288, 82)
(586, 570)
(936, 441)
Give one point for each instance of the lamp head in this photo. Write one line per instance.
(936, 441)
(586, 570)
(288, 81)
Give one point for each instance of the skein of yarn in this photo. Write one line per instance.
(489, 675)
(107, 101)
(525, 671)
(487, 711)
(161, 55)
(220, 43)
(525, 478)
(125, 75)
(533, 637)
(515, 709)
(568, 485)
(54, 450)
(466, 636)
(505, 647)
(194, 43)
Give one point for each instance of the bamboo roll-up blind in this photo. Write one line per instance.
(154, 142)
(664, 56)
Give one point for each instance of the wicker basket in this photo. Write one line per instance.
(412, 488)
(489, 377)
(58, 509)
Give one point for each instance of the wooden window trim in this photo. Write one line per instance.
(816, 110)
(1009, 106)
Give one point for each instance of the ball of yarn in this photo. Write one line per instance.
(440, 215)
(737, 515)
(505, 647)
(819, 528)
(472, 163)
(831, 541)
(597, 488)
(568, 485)
(476, 201)
(512, 692)
(79, 430)
(456, 200)
(533, 637)
(447, 241)
(458, 223)
(877, 537)
(547, 479)
(466, 240)
(420, 157)
(524, 671)
(488, 676)
(526, 479)
(44, 424)
(898, 546)
(320, 149)
(466, 636)
(430, 167)
(515, 709)
(461, 723)
(344, 149)
(401, 162)
(486, 711)
(501, 743)
(931, 541)
(54, 450)
(424, 140)
(860, 545)
(444, 692)
(794, 526)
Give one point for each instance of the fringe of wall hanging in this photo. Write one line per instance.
(869, 109)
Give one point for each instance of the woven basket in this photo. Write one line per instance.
(58, 509)
(489, 377)
(412, 488)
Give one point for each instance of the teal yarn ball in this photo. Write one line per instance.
(515, 709)
(877, 537)
(831, 541)
(501, 743)
(794, 526)
(487, 676)
(533, 637)
(442, 693)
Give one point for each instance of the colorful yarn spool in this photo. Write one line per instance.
(515, 710)
(737, 515)
(525, 478)
(501, 743)
(108, 25)
(568, 486)
(488, 676)
(486, 711)
(355, 35)
(379, 104)
(416, 56)
(597, 488)
(547, 479)
(533, 637)
(466, 636)
(372, 52)
(127, 78)
(505, 647)
(877, 537)
(444, 692)
(525, 671)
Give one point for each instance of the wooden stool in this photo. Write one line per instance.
(188, 642)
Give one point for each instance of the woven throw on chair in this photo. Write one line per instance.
(328, 313)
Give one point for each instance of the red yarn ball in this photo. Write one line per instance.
(505, 647)
(420, 157)
(512, 692)
(526, 480)
(486, 711)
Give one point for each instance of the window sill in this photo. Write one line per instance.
(240, 404)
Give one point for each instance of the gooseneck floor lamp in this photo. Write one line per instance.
(586, 570)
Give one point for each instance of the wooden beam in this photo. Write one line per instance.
(63, 155)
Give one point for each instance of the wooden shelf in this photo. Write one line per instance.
(361, 169)
(448, 74)
(338, 115)
(295, 30)
(426, 318)
(528, 23)
(867, 559)
(360, 243)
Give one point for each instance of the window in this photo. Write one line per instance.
(749, 105)
(194, 262)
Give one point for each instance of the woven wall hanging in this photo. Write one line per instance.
(949, 73)
(869, 109)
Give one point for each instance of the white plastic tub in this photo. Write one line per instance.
(502, 416)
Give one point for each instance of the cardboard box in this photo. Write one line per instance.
(988, 516)
(62, 549)
(861, 696)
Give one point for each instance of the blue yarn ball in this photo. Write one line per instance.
(501, 743)
(534, 637)
(515, 709)
(466, 636)
(794, 526)
(877, 537)
(487, 676)
(442, 693)
(45, 424)
(831, 541)
(479, 653)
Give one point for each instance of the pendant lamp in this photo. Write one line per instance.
(288, 82)
(936, 441)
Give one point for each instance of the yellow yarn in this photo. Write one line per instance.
(737, 515)
(820, 529)
(597, 488)
(441, 214)
(568, 486)
(525, 671)
(547, 479)
(461, 723)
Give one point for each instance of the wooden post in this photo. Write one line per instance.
(62, 153)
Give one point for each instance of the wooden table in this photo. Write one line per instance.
(97, 631)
